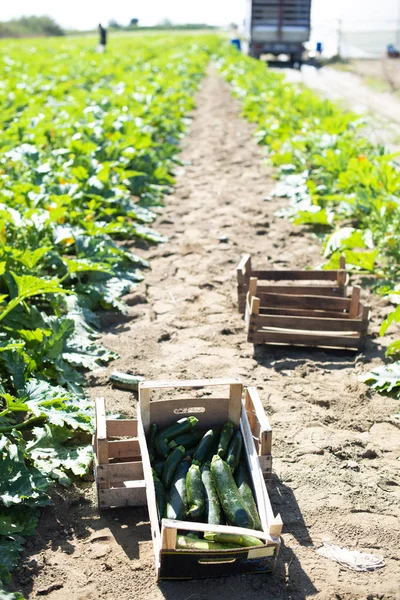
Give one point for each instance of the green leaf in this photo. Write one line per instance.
(10, 551)
(54, 458)
(347, 237)
(58, 406)
(83, 265)
(9, 595)
(384, 379)
(318, 217)
(18, 519)
(28, 286)
(84, 353)
(393, 317)
(30, 258)
(18, 482)
(393, 350)
(61, 330)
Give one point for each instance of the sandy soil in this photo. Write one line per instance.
(335, 447)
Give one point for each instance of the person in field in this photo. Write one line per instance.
(103, 38)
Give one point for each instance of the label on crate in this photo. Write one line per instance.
(189, 409)
(260, 552)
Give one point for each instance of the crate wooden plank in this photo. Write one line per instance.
(304, 339)
(101, 431)
(309, 323)
(258, 420)
(119, 472)
(124, 448)
(318, 290)
(286, 275)
(150, 491)
(202, 527)
(313, 302)
(121, 428)
(299, 312)
(209, 411)
(189, 383)
(131, 495)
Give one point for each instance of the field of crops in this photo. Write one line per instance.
(89, 144)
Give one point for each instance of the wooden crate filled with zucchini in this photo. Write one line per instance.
(209, 508)
(118, 462)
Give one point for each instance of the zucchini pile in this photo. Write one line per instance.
(202, 476)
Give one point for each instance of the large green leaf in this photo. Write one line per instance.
(18, 520)
(54, 455)
(10, 550)
(58, 406)
(20, 483)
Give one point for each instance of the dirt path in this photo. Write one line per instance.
(334, 446)
(353, 94)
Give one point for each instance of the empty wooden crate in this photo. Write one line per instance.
(305, 317)
(175, 399)
(118, 462)
(296, 282)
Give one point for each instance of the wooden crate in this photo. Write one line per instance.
(118, 463)
(172, 563)
(305, 318)
(321, 283)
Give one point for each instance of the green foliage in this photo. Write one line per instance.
(88, 146)
(338, 183)
(30, 26)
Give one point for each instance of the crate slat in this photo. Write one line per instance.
(124, 448)
(309, 323)
(121, 428)
(133, 494)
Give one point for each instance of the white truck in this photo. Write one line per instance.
(277, 27)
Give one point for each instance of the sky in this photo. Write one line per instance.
(86, 14)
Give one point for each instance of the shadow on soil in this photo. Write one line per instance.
(283, 358)
(73, 515)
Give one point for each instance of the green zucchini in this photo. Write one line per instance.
(232, 538)
(190, 438)
(151, 443)
(171, 465)
(182, 426)
(126, 381)
(243, 482)
(231, 501)
(190, 451)
(235, 450)
(212, 506)
(224, 439)
(213, 451)
(162, 447)
(158, 465)
(195, 492)
(160, 496)
(177, 498)
(205, 445)
(186, 542)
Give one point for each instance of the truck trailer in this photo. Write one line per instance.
(277, 27)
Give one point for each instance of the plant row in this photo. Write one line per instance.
(88, 144)
(339, 184)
